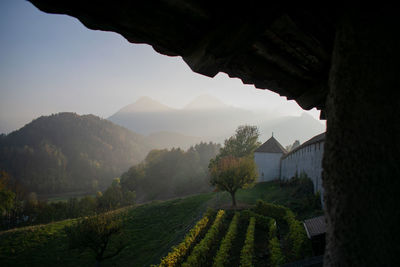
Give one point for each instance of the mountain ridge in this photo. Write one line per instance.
(66, 152)
(218, 121)
(145, 104)
(205, 101)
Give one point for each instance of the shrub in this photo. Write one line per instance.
(261, 220)
(276, 256)
(272, 229)
(246, 255)
(271, 210)
(198, 257)
(299, 244)
(178, 253)
(222, 257)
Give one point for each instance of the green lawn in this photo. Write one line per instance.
(34, 245)
(272, 192)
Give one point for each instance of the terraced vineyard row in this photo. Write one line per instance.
(178, 253)
(267, 235)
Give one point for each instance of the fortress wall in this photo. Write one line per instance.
(268, 165)
(307, 159)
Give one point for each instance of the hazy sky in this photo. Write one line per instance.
(52, 63)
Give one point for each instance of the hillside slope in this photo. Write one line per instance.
(151, 229)
(67, 152)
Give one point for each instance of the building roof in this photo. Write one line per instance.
(271, 146)
(316, 139)
(315, 226)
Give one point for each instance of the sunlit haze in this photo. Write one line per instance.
(52, 63)
(111, 152)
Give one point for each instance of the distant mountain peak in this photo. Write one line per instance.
(146, 99)
(204, 102)
(145, 104)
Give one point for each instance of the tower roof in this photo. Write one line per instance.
(271, 146)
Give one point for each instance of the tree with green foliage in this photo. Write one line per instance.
(230, 173)
(205, 152)
(87, 205)
(31, 207)
(243, 143)
(130, 179)
(102, 234)
(234, 166)
(6, 195)
(115, 197)
(171, 173)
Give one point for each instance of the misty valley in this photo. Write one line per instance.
(91, 190)
(197, 133)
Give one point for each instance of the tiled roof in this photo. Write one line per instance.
(315, 226)
(315, 139)
(271, 146)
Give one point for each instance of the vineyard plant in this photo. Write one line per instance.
(246, 256)
(178, 253)
(222, 257)
(231, 239)
(198, 256)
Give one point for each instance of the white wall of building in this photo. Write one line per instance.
(268, 165)
(308, 160)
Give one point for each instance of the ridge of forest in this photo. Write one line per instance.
(66, 152)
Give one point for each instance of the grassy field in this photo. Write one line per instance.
(273, 192)
(151, 229)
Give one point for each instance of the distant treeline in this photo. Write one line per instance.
(171, 173)
(20, 208)
(163, 174)
(66, 152)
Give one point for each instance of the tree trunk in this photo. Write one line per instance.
(361, 162)
(233, 199)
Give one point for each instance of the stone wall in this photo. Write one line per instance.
(268, 166)
(307, 159)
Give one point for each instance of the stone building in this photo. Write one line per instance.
(274, 162)
(268, 159)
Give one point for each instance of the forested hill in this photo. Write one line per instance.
(67, 152)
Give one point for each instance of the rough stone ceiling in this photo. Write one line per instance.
(284, 48)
